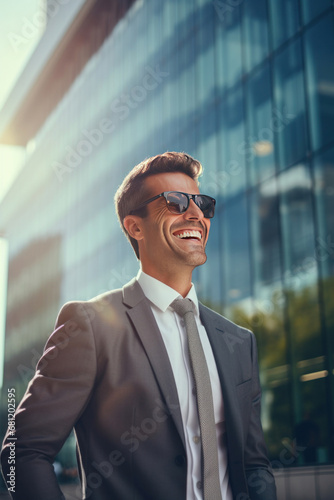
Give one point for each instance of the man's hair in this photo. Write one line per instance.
(132, 192)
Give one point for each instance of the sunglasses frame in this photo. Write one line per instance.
(188, 196)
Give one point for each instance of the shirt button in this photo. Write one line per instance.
(196, 439)
(199, 485)
(182, 323)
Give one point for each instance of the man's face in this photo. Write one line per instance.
(164, 246)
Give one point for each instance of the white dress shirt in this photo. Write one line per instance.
(174, 335)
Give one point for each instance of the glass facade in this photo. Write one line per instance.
(248, 89)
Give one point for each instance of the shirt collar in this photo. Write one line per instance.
(160, 294)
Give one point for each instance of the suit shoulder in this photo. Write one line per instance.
(89, 308)
(223, 323)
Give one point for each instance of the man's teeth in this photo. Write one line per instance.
(190, 234)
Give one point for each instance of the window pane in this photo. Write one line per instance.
(228, 49)
(299, 264)
(235, 251)
(255, 28)
(205, 68)
(284, 20)
(307, 356)
(324, 192)
(320, 77)
(312, 8)
(258, 147)
(231, 176)
(296, 215)
(265, 236)
(290, 120)
(312, 429)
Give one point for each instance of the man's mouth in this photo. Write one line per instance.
(188, 234)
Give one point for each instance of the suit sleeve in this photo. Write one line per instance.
(54, 400)
(260, 479)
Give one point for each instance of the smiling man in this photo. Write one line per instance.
(162, 392)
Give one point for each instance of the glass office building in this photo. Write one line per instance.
(247, 88)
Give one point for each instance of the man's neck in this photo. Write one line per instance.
(180, 283)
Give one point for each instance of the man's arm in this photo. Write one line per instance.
(54, 400)
(260, 479)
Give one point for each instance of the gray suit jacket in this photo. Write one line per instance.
(105, 371)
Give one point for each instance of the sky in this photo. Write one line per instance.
(21, 26)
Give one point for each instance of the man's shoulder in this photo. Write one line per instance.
(103, 299)
(221, 322)
(107, 306)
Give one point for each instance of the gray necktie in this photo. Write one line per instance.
(210, 468)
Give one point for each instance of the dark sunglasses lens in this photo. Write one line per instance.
(177, 203)
(206, 204)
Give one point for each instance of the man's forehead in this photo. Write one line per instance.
(170, 181)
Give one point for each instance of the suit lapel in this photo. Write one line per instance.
(147, 329)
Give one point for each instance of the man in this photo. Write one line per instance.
(120, 370)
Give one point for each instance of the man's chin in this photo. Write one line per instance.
(195, 259)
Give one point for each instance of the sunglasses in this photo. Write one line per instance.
(178, 203)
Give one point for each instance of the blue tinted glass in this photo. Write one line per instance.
(231, 176)
(300, 266)
(324, 252)
(255, 28)
(312, 8)
(284, 20)
(265, 235)
(296, 217)
(205, 67)
(186, 80)
(228, 56)
(207, 150)
(319, 41)
(258, 147)
(289, 110)
(324, 192)
(235, 251)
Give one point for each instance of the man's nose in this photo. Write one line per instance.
(194, 212)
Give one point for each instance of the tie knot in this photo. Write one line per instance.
(182, 306)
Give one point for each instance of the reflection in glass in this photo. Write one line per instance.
(231, 178)
(255, 28)
(235, 251)
(284, 20)
(228, 56)
(296, 217)
(319, 42)
(324, 194)
(290, 123)
(312, 8)
(204, 49)
(265, 234)
(258, 146)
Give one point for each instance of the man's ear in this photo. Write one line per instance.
(132, 224)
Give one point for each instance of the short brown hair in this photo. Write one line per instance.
(130, 193)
